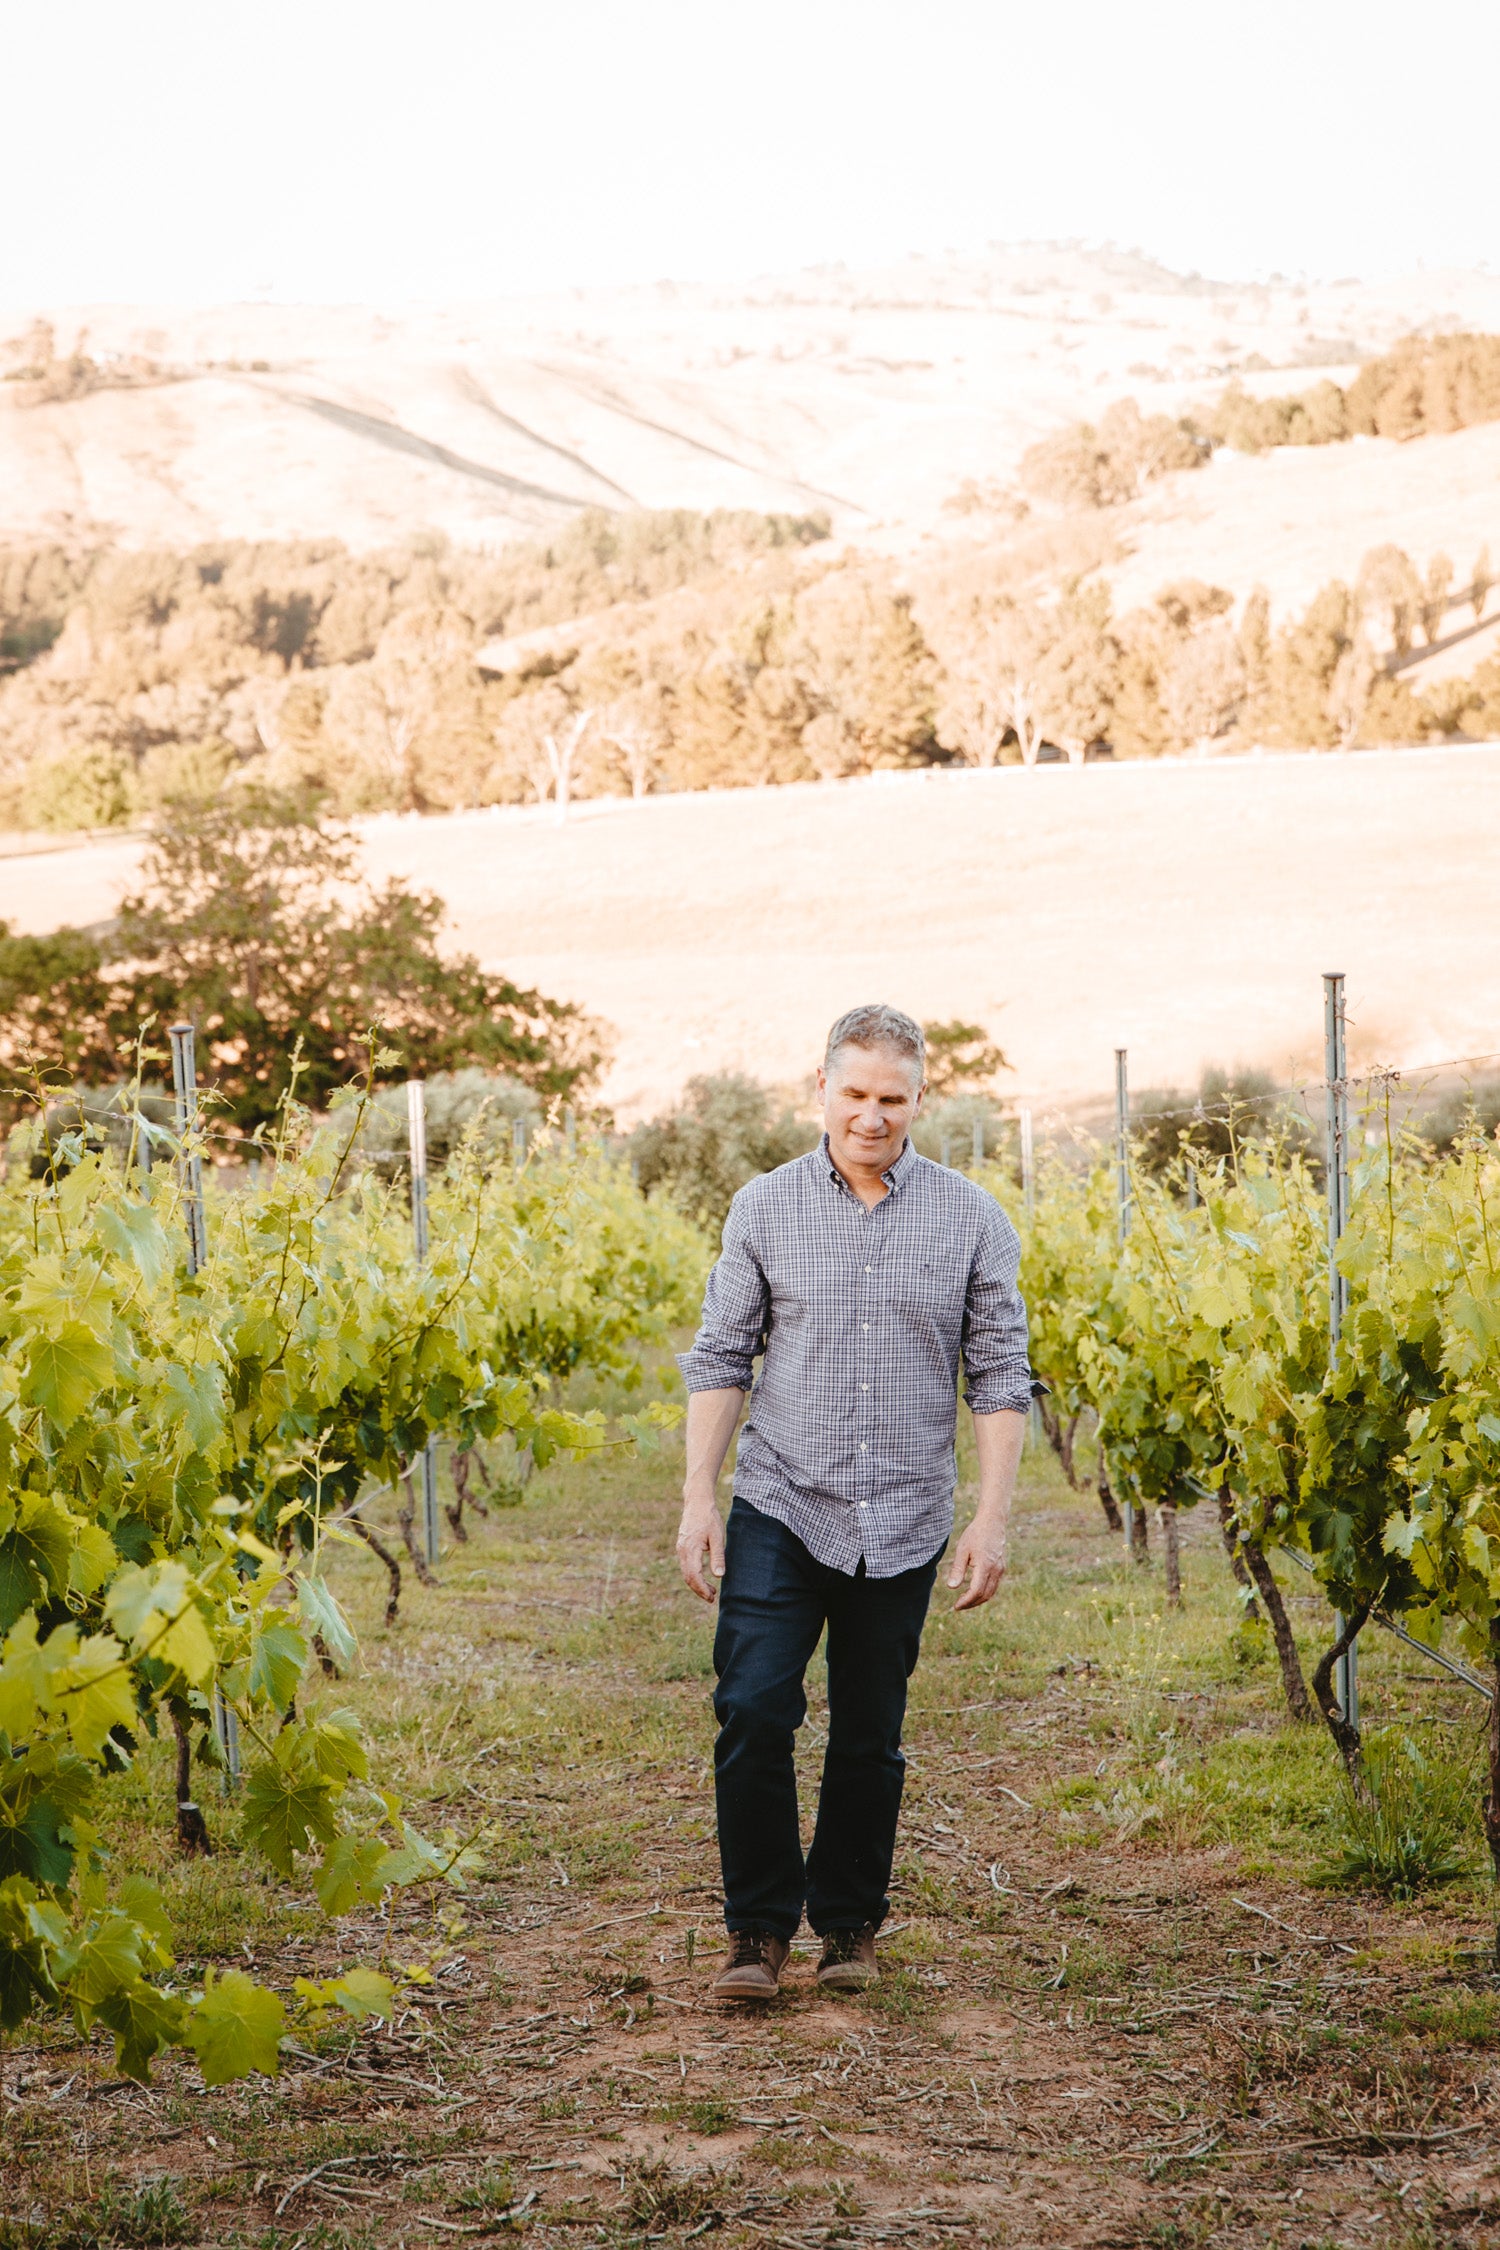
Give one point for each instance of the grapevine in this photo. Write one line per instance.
(177, 1453)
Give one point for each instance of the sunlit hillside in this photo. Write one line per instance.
(876, 395)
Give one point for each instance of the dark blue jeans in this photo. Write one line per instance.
(774, 1601)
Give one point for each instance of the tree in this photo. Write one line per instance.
(633, 725)
(961, 1059)
(1075, 678)
(562, 745)
(1349, 688)
(1435, 597)
(1388, 593)
(1203, 686)
(1480, 582)
(56, 1012)
(1306, 656)
(255, 922)
(1085, 467)
(865, 670)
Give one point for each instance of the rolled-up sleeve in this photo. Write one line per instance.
(736, 1309)
(997, 1370)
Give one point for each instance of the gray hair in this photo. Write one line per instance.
(878, 1025)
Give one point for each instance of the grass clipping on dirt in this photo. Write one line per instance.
(1116, 2008)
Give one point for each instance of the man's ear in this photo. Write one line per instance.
(921, 1094)
(822, 1083)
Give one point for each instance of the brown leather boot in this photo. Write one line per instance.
(849, 1963)
(753, 1968)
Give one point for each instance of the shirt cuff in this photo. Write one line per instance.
(702, 1371)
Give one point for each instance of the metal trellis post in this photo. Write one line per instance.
(416, 1137)
(1335, 1066)
(185, 1092)
(1122, 1191)
(1028, 1198)
(185, 1088)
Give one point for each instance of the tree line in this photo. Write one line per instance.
(1426, 386)
(650, 653)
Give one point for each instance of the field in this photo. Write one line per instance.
(1185, 911)
(1115, 2012)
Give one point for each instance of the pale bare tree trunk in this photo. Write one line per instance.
(560, 757)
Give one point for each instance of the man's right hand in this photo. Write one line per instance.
(701, 1532)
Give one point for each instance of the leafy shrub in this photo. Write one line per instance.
(728, 1129)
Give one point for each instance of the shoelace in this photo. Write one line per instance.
(842, 1945)
(749, 1946)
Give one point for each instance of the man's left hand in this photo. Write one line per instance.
(980, 1554)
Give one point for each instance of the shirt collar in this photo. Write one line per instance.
(895, 1175)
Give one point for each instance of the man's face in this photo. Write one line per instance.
(870, 1096)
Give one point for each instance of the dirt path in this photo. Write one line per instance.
(1113, 2012)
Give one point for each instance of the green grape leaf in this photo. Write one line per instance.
(144, 2021)
(133, 1232)
(235, 2028)
(25, 1973)
(187, 1646)
(195, 1398)
(142, 1901)
(34, 1557)
(334, 1747)
(95, 1692)
(358, 1992)
(322, 1615)
(352, 1872)
(141, 1595)
(278, 1654)
(284, 1810)
(94, 1560)
(105, 1956)
(68, 1369)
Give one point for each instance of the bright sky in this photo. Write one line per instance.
(318, 149)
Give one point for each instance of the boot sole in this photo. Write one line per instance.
(847, 1979)
(762, 1992)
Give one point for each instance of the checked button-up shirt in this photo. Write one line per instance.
(863, 1318)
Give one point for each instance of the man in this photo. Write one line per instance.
(864, 1273)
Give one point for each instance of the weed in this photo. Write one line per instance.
(707, 2114)
(658, 2197)
(900, 1997)
(1413, 1830)
(146, 2215)
(493, 2191)
(151, 2214)
(1470, 2020)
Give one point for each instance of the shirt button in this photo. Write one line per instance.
(864, 1386)
(864, 1503)
(867, 1269)
(866, 1326)
(862, 1449)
